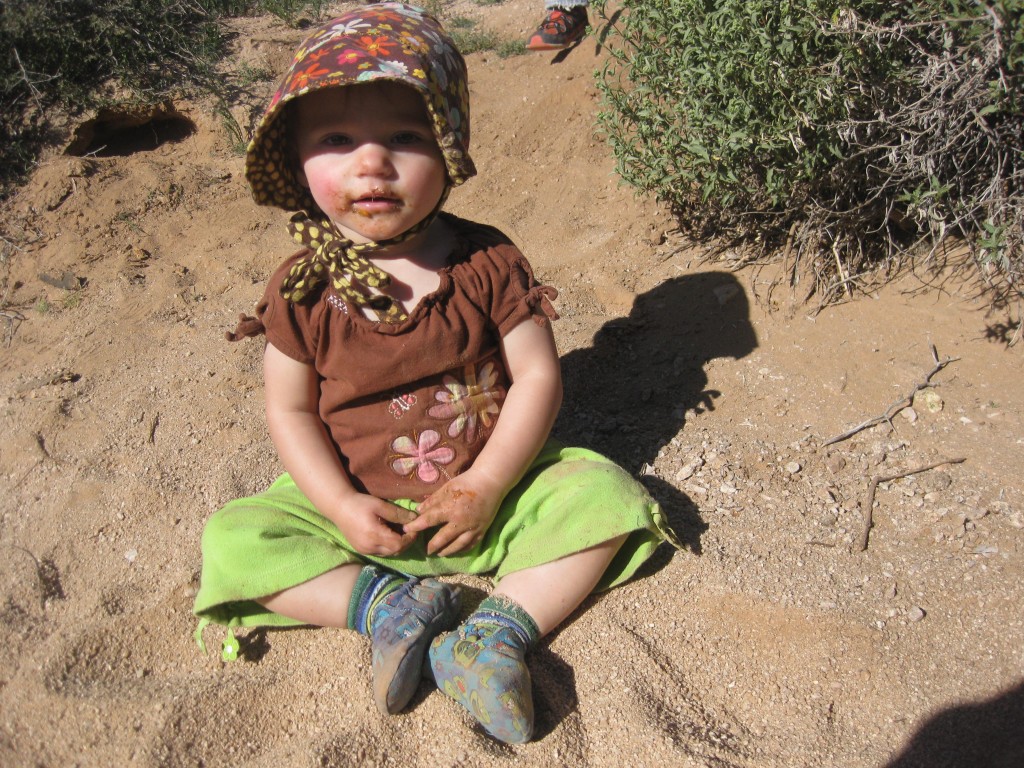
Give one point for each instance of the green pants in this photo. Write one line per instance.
(571, 499)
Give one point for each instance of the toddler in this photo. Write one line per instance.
(411, 382)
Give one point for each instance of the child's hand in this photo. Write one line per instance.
(373, 526)
(463, 510)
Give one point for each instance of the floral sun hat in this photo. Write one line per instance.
(388, 41)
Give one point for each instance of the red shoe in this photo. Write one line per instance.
(560, 29)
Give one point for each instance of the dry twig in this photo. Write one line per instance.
(14, 319)
(869, 503)
(899, 405)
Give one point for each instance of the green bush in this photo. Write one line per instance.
(849, 131)
(73, 54)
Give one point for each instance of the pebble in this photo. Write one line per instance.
(929, 399)
(915, 613)
(793, 467)
(687, 470)
(835, 463)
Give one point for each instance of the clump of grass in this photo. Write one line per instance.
(469, 38)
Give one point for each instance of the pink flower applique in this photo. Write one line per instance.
(471, 404)
(424, 455)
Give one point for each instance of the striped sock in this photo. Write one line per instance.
(372, 586)
(505, 612)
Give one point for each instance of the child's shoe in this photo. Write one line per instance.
(561, 28)
(482, 667)
(401, 628)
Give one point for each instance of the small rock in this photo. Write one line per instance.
(915, 613)
(909, 414)
(929, 400)
(687, 470)
(725, 292)
(835, 463)
(130, 555)
(793, 467)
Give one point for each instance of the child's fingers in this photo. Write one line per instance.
(445, 543)
(426, 517)
(389, 542)
(395, 514)
(404, 540)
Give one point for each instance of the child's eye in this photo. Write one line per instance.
(336, 140)
(407, 137)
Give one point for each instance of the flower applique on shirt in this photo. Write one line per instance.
(470, 405)
(423, 455)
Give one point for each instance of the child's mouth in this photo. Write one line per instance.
(375, 202)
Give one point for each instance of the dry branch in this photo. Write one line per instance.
(899, 405)
(869, 503)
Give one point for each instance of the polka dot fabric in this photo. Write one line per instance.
(389, 41)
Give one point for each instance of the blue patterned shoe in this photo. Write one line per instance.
(482, 667)
(401, 628)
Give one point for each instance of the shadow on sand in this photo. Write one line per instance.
(989, 734)
(628, 394)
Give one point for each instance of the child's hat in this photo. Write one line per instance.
(388, 41)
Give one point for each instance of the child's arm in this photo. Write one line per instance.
(465, 506)
(292, 395)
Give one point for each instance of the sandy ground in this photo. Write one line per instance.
(771, 640)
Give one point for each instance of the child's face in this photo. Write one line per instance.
(368, 156)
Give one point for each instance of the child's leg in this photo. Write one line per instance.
(482, 664)
(323, 601)
(273, 560)
(400, 615)
(552, 591)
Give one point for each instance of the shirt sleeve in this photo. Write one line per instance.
(527, 296)
(292, 328)
(509, 289)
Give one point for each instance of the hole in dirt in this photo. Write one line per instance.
(119, 132)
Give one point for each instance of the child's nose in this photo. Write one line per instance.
(373, 159)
